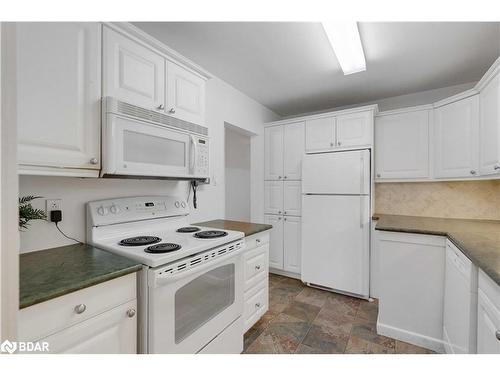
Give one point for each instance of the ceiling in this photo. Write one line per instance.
(291, 68)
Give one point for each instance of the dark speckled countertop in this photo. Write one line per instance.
(479, 240)
(51, 273)
(242, 226)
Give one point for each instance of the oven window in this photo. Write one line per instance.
(202, 299)
(148, 149)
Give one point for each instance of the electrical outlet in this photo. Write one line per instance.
(51, 205)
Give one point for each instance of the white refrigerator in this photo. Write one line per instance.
(336, 221)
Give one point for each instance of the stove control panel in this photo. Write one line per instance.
(119, 210)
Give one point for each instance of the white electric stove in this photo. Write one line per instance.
(191, 285)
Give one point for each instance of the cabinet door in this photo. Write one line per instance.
(292, 198)
(273, 197)
(489, 127)
(320, 134)
(58, 94)
(132, 72)
(456, 138)
(273, 153)
(402, 145)
(113, 332)
(355, 129)
(291, 244)
(293, 144)
(275, 241)
(488, 326)
(185, 94)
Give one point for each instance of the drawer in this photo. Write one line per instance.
(256, 265)
(49, 317)
(258, 239)
(256, 303)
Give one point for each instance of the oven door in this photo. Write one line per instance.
(138, 148)
(188, 310)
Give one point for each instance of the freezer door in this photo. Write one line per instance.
(346, 172)
(335, 242)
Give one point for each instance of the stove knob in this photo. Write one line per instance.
(102, 211)
(114, 209)
(183, 204)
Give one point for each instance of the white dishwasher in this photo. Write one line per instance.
(460, 302)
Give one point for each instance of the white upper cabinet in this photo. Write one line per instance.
(292, 198)
(291, 244)
(456, 127)
(273, 197)
(58, 97)
(320, 134)
(402, 145)
(489, 126)
(273, 153)
(185, 94)
(293, 144)
(132, 72)
(354, 129)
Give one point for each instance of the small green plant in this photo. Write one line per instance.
(27, 212)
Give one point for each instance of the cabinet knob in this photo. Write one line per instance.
(284, 219)
(279, 218)
(497, 334)
(172, 110)
(496, 167)
(331, 144)
(339, 143)
(79, 309)
(473, 172)
(279, 177)
(131, 313)
(257, 305)
(284, 212)
(378, 174)
(257, 240)
(257, 267)
(94, 161)
(161, 106)
(279, 212)
(284, 177)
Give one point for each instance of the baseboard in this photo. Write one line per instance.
(411, 337)
(284, 273)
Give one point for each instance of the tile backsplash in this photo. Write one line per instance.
(455, 199)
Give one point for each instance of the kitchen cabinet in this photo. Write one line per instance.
(185, 94)
(411, 288)
(256, 275)
(456, 127)
(354, 129)
(402, 145)
(276, 241)
(292, 198)
(291, 244)
(282, 197)
(284, 147)
(273, 197)
(132, 72)
(58, 84)
(488, 316)
(320, 134)
(489, 126)
(100, 319)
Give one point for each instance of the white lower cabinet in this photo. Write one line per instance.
(256, 281)
(101, 319)
(488, 316)
(285, 243)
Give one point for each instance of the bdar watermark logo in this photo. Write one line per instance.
(11, 347)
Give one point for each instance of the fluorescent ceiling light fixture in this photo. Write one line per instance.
(346, 43)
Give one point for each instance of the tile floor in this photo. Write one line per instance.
(306, 320)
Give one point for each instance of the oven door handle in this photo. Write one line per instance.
(159, 280)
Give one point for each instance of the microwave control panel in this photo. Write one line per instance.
(202, 157)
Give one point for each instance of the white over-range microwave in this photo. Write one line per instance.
(141, 143)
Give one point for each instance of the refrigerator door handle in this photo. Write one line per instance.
(361, 211)
(362, 176)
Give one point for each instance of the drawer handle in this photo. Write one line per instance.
(79, 309)
(257, 305)
(497, 334)
(257, 267)
(257, 240)
(131, 313)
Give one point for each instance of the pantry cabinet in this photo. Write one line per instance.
(488, 316)
(292, 198)
(489, 126)
(58, 84)
(132, 72)
(273, 197)
(276, 241)
(402, 144)
(284, 148)
(456, 130)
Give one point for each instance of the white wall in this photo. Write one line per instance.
(224, 104)
(237, 170)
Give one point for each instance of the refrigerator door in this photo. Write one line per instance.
(335, 242)
(346, 172)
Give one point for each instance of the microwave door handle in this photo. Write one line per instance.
(195, 154)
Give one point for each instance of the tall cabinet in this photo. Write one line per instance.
(284, 148)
